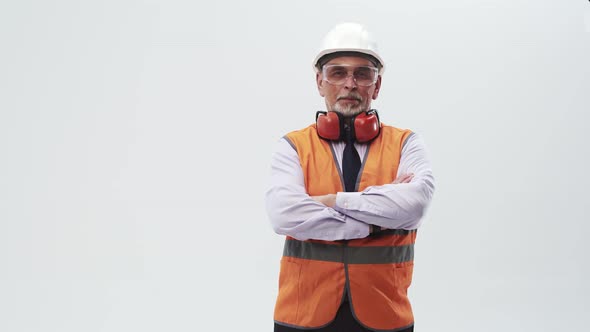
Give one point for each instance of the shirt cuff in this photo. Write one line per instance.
(346, 201)
(363, 231)
(349, 201)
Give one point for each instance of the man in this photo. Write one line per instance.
(349, 193)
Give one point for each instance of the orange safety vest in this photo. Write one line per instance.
(376, 271)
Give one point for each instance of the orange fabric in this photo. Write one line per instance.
(310, 291)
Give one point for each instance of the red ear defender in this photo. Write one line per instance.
(366, 126)
(329, 125)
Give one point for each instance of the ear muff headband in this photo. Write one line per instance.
(330, 126)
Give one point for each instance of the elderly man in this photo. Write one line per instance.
(348, 192)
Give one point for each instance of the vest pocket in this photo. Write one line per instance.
(287, 305)
(403, 276)
(379, 294)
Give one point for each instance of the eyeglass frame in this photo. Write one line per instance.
(324, 76)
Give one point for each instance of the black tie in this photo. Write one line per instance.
(351, 164)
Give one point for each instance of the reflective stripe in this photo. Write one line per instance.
(355, 255)
(406, 140)
(312, 250)
(337, 166)
(360, 175)
(380, 255)
(290, 142)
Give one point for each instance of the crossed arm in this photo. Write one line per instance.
(329, 200)
(342, 216)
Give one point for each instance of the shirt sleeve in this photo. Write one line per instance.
(395, 206)
(294, 213)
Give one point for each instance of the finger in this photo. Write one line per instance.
(409, 178)
(404, 178)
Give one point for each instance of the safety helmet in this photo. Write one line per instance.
(349, 37)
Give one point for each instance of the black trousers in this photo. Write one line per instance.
(344, 322)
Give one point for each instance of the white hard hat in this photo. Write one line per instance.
(349, 37)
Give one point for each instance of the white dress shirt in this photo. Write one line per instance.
(395, 206)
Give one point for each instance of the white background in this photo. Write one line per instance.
(136, 136)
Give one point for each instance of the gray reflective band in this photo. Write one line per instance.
(290, 143)
(354, 255)
(380, 255)
(337, 166)
(315, 251)
(407, 139)
(360, 174)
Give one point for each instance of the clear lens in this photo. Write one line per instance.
(338, 74)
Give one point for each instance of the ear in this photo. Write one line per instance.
(320, 84)
(377, 87)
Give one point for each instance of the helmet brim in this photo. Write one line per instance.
(348, 50)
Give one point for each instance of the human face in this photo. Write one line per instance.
(349, 98)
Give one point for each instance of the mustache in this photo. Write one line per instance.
(350, 96)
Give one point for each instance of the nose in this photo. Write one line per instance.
(350, 82)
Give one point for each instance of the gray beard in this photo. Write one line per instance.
(349, 111)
